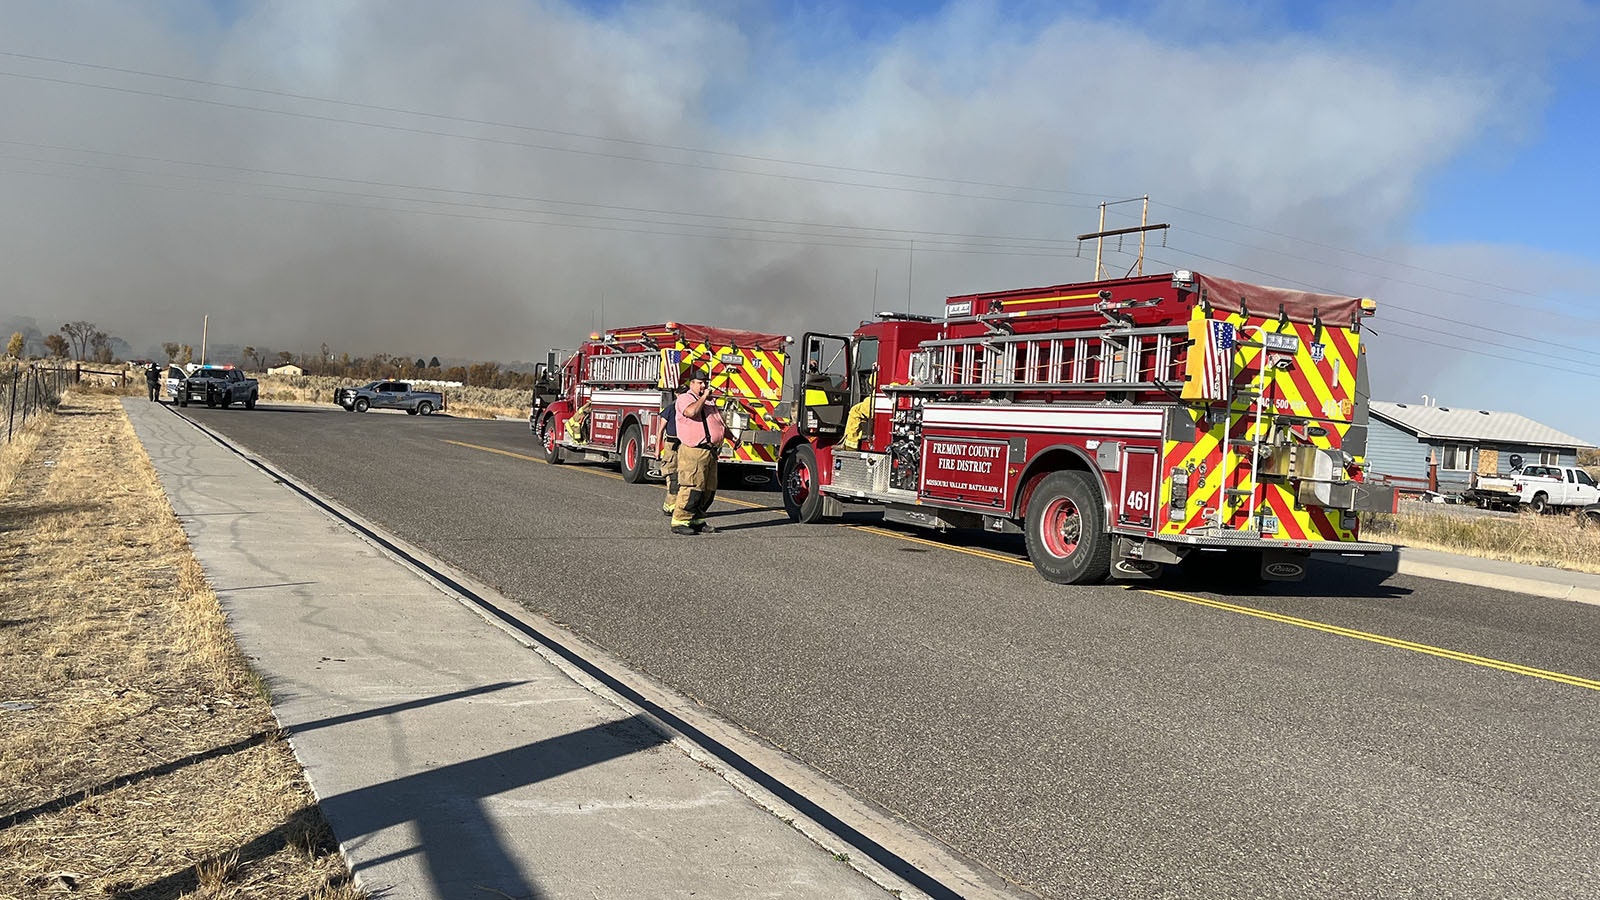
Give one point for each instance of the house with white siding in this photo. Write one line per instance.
(1407, 441)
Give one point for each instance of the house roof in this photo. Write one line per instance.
(1457, 423)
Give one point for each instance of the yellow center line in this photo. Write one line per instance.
(1454, 655)
(1413, 646)
(970, 551)
(584, 469)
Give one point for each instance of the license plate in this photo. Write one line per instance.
(1269, 524)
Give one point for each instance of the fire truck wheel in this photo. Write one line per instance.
(1066, 531)
(361, 404)
(547, 441)
(801, 499)
(632, 464)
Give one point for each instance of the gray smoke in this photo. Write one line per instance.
(294, 223)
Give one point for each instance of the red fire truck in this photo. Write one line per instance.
(1121, 426)
(613, 386)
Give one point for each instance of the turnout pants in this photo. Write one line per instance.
(697, 485)
(669, 468)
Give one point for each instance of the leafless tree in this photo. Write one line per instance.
(80, 334)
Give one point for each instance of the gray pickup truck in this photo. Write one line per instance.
(389, 395)
(218, 386)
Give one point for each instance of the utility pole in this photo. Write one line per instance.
(1101, 234)
(911, 259)
(205, 328)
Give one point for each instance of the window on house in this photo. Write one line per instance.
(1457, 458)
(1550, 457)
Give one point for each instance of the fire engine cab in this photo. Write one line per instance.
(614, 386)
(1121, 426)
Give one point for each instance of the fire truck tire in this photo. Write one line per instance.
(1066, 531)
(547, 441)
(362, 405)
(798, 478)
(632, 464)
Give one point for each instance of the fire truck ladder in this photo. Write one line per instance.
(1256, 393)
(1119, 359)
(625, 369)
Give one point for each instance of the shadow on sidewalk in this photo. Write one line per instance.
(68, 800)
(444, 806)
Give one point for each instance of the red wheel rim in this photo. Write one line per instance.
(799, 483)
(549, 437)
(630, 455)
(1061, 526)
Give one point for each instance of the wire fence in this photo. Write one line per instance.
(29, 391)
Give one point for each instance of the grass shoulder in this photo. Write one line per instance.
(138, 755)
(1554, 540)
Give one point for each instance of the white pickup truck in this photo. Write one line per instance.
(1555, 487)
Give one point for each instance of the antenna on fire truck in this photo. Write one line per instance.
(1100, 235)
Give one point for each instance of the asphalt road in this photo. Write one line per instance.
(1091, 741)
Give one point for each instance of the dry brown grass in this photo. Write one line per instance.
(466, 402)
(1556, 541)
(17, 451)
(137, 757)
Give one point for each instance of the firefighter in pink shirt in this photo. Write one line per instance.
(700, 436)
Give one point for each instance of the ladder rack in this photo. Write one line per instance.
(625, 368)
(1108, 359)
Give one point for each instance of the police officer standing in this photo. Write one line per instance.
(700, 435)
(152, 380)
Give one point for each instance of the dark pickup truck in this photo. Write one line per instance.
(218, 386)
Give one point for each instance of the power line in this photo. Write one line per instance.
(1373, 257)
(545, 147)
(540, 130)
(1044, 243)
(860, 243)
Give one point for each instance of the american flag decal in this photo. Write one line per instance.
(671, 368)
(1209, 369)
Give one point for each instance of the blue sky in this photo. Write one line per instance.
(363, 173)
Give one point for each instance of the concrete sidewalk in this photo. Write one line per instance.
(1517, 578)
(453, 761)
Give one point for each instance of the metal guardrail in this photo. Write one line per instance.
(29, 391)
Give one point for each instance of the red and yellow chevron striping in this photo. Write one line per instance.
(1310, 390)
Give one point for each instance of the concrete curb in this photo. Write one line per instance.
(1554, 584)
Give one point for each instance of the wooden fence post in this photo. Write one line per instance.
(16, 382)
